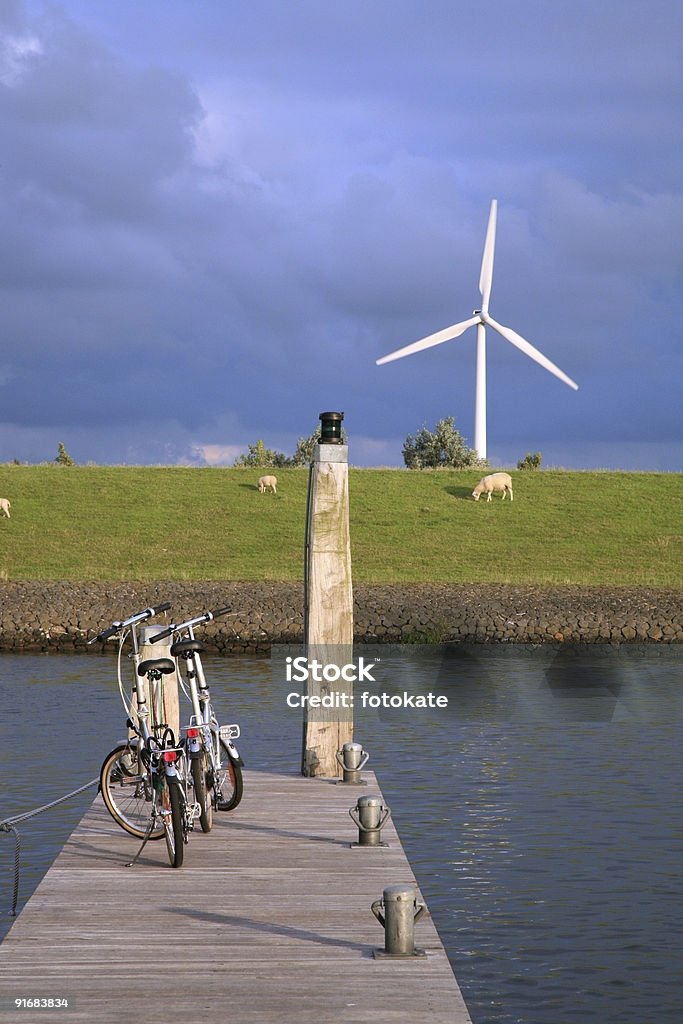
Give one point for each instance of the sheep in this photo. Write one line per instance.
(267, 483)
(494, 482)
(5, 507)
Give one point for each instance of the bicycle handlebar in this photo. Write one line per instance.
(116, 627)
(196, 621)
(104, 635)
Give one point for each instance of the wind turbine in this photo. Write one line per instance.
(482, 319)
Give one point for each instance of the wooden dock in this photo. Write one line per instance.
(267, 922)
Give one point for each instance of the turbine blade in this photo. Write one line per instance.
(433, 339)
(529, 350)
(486, 276)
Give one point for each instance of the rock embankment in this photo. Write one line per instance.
(63, 616)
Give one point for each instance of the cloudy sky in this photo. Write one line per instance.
(217, 214)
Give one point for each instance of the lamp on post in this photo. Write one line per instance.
(331, 427)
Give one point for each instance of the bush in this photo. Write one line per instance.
(259, 455)
(530, 461)
(444, 447)
(63, 458)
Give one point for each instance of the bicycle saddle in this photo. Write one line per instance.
(181, 648)
(161, 665)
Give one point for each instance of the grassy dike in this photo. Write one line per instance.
(175, 523)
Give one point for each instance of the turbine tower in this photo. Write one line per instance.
(481, 318)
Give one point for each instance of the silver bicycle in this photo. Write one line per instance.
(215, 763)
(145, 782)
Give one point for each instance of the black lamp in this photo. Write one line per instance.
(331, 427)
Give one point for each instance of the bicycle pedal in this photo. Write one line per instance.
(229, 732)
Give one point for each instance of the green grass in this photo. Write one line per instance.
(172, 523)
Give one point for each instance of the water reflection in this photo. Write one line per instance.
(541, 813)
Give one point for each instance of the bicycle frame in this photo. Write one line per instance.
(203, 730)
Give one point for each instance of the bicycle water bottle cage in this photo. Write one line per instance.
(184, 648)
(156, 667)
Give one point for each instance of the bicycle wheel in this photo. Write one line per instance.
(202, 792)
(173, 805)
(228, 783)
(127, 792)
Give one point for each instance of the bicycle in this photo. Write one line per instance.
(145, 782)
(215, 762)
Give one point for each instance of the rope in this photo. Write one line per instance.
(8, 826)
(46, 807)
(17, 846)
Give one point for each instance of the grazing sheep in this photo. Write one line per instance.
(268, 483)
(493, 482)
(5, 507)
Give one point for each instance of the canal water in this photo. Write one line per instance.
(540, 809)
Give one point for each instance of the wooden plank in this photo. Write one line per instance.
(267, 921)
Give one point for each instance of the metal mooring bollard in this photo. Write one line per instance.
(352, 758)
(397, 912)
(370, 815)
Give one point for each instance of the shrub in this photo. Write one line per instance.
(259, 455)
(530, 461)
(63, 458)
(442, 447)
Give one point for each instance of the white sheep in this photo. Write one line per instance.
(5, 507)
(268, 483)
(494, 482)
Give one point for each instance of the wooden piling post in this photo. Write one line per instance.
(328, 624)
(162, 649)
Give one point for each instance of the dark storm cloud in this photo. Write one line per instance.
(247, 206)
